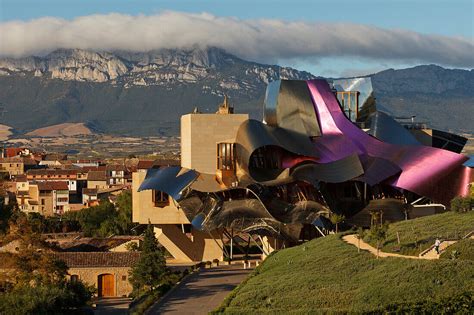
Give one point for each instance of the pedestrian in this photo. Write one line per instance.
(436, 245)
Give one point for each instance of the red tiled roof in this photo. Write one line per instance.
(19, 178)
(97, 175)
(98, 259)
(145, 164)
(50, 185)
(10, 152)
(116, 167)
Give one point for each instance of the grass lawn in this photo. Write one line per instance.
(423, 231)
(328, 275)
(465, 248)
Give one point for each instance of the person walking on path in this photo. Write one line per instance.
(436, 245)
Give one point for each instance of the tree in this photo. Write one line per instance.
(336, 219)
(106, 219)
(38, 283)
(149, 271)
(360, 235)
(379, 234)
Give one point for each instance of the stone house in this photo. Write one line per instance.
(108, 272)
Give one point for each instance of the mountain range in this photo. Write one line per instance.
(146, 93)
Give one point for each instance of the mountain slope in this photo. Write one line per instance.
(442, 97)
(141, 94)
(146, 93)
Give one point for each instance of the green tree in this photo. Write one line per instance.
(38, 283)
(336, 219)
(149, 271)
(106, 219)
(124, 208)
(379, 234)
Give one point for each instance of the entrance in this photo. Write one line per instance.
(106, 285)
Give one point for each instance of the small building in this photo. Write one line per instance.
(108, 272)
(90, 196)
(68, 176)
(116, 174)
(97, 179)
(11, 166)
(53, 197)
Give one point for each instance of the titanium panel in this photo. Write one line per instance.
(386, 129)
(422, 167)
(288, 106)
(171, 180)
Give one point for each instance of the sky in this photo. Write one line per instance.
(328, 38)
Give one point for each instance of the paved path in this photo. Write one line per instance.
(353, 240)
(429, 254)
(112, 306)
(201, 292)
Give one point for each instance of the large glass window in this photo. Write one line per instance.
(225, 156)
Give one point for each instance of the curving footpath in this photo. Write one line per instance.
(353, 240)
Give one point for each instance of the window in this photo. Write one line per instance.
(124, 278)
(42, 202)
(74, 278)
(160, 199)
(225, 156)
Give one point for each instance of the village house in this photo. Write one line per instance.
(108, 272)
(97, 179)
(67, 176)
(11, 166)
(47, 198)
(13, 152)
(116, 174)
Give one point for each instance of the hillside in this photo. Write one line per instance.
(66, 129)
(145, 93)
(5, 132)
(328, 275)
(444, 98)
(424, 231)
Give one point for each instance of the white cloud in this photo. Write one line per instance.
(266, 40)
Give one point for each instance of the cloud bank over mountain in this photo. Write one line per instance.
(263, 40)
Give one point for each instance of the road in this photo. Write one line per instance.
(201, 292)
(112, 306)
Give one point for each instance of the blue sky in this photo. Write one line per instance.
(453, 18)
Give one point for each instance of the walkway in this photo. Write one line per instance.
(353, 240)
(201, 292)
(112, 306)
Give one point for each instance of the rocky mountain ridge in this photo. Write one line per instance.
(155, 68)
(146, 93)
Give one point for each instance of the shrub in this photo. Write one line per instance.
(462, 204)
(459, 304)
(56, 298)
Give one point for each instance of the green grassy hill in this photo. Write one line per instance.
(419, 234)
(327, 275)
(464, 248)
